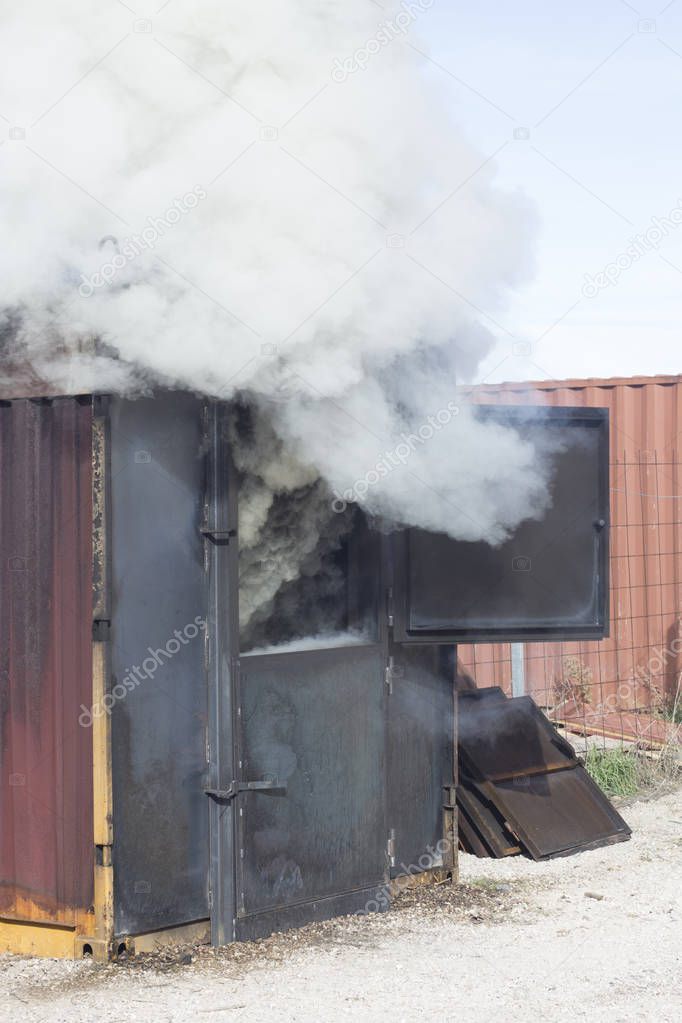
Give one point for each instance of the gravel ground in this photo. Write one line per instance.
(597, 936)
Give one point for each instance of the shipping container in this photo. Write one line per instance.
(160, 777)
(101, 560)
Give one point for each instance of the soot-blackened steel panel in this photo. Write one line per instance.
(315, 722)
(46, 816)
(504, 738)
(159, 605)
(421, 721)
(550, 580)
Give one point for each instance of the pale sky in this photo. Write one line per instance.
(598, 85)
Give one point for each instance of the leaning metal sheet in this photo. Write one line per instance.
(557, 813)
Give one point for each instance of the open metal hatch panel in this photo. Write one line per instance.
(520, 781)
(557, 813)
(502, 739)
(549, 581)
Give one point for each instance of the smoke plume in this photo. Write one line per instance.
(266, 199)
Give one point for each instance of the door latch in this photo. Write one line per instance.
(225, 795)
(218, 536)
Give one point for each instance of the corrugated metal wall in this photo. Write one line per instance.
(622, 685)
(46, 829)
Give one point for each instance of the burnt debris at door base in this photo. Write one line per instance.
(521, 787)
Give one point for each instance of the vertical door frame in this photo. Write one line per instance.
(102, 945)
(446, 653)
(222, 665)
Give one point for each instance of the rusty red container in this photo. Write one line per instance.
(46, 788)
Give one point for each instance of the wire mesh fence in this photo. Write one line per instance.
(625, 689)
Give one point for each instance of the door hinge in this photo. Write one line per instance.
(390, 848)
(388, 676)
(389, 607)
(392, 672)
(101, 630)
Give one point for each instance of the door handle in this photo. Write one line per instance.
(225, 795)
(218, 535)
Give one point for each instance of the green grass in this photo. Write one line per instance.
(673, 713)
(614, 770)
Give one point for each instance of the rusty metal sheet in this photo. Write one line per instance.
(520, 778)
(46, 845)
(557, 814)
(489, 826)
(469, 839)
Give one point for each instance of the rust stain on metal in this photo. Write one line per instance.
(520, 782)
(46, 848)
(100, 582)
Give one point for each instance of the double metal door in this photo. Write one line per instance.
(332, 769)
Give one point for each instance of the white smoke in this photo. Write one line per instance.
(345, 236)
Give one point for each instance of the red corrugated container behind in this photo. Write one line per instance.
(623, 685)
(46, 812)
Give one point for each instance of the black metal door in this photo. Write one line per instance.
(297, 740)
(313, 844)
(549, 581)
